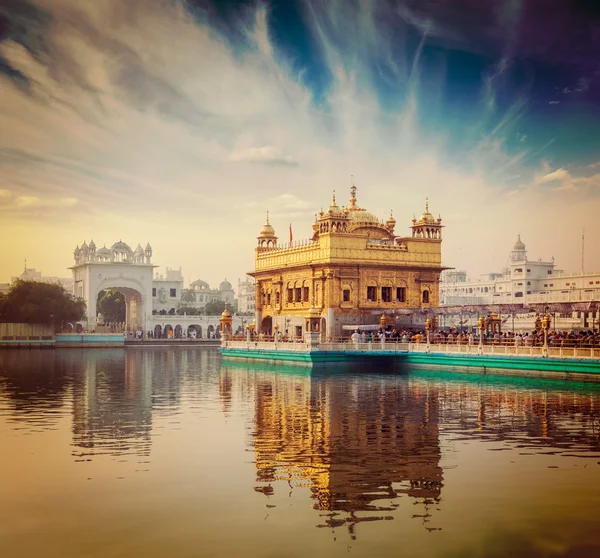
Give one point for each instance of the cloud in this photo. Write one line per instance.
(267, 155)
(558, 174)
(148, 119)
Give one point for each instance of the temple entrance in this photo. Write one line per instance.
(168, 331)
(210, 331)
(157, 332)
(118, 309)
(266, 325)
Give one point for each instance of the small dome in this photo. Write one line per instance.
(121, 246)
(77, 251)
(92, 246)
(267, 230)
(426, 217)
(225, 286)
(391, 221)
(519, 244)
(225, 314)
(200, 285)
(103, 252)
(148, 247)
(84, 246)
(139, 250)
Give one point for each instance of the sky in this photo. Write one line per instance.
(181, 123)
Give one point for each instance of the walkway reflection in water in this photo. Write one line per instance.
(364, 456)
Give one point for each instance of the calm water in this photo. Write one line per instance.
(169, 452)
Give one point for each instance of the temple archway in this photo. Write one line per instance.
(210, 331)
(157, 331)
(168, 331)
(178, 331)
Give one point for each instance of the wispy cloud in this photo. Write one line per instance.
(145, 117)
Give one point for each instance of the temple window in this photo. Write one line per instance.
(346, 295)
(425, 297)
(277, 298)
(304, 294)
(173, 293)
(400, 294)
(371, 294)
(290, 296)
(153, 291)
(269, 299)
(386, 294)
(298, 294)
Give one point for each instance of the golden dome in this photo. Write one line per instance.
(225, 314)
(267, 229)
(391, 221)
(362, 216)
(427, 217)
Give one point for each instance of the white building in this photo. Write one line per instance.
(523, 281)
(154, 302)
(31, 274)
(246, 295)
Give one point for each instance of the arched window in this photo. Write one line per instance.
(425, 297)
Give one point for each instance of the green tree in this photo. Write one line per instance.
(34, 302)
(216, 308)
(111, 304)
(188, 296)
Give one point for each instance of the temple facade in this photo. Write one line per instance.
(352, 269)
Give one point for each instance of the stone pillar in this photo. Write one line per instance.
(330, 326)
(312, 339)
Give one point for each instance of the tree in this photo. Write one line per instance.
(216, 308)
(34, 302)
(111, 304)
(188, 296)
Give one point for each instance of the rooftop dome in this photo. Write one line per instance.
(225, 286)
(362, 216)
(519, 244)
(103, 251)
(426, 217)
(121, 246)
(200, 285)
(139, 250)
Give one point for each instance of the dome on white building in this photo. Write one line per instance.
(225, 286)
(200, 285)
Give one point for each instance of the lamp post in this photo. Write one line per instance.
(427, 332)
(545, 325)
(481, 326)
(276, 328)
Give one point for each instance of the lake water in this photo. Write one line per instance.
(174, 453)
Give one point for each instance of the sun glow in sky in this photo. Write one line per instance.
(181, 123)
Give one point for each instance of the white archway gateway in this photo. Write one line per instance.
(118, 268)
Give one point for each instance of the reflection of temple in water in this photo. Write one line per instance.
(358, 446)
(112, 405)
(119, 393)
(360, 443)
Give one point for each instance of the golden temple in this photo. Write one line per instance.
(352, 269)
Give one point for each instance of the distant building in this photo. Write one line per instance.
(525, 281)
(32, 274)
(522, 281)
(246, 295)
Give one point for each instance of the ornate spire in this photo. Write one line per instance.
(268, 217)
(353, 195)
(427, 205)
(333, 198)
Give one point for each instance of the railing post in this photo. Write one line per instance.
(481, 325)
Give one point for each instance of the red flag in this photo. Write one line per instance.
(291, 237)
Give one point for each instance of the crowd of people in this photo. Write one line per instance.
(535, 338)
